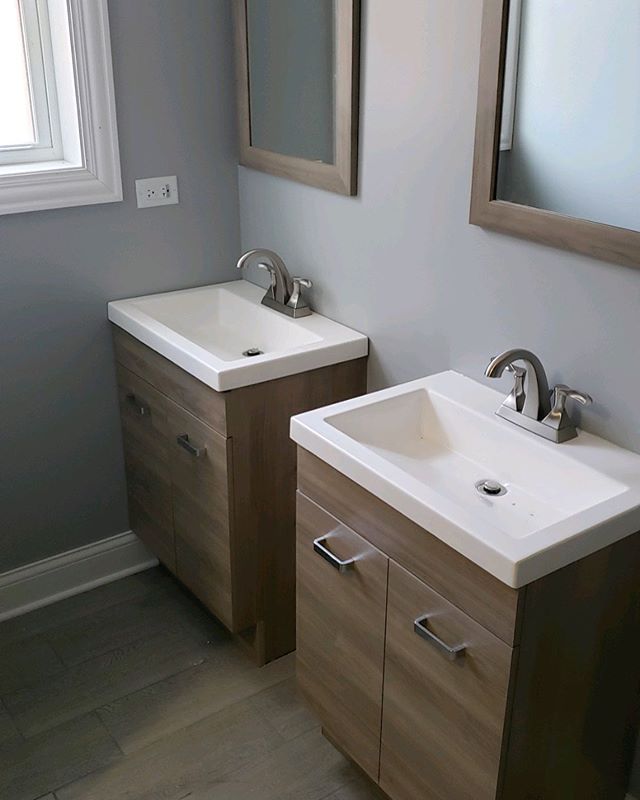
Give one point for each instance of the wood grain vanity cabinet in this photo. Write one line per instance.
(143, 413)
(341, 643)
(211, 483)
(441, 682)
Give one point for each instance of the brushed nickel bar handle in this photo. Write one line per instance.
(452, 653)
(319, 545)
(183, 441)
(142, 408)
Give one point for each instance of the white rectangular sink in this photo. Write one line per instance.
(207, 330)
(422, 447)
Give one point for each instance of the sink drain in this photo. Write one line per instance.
(490, 488)
(253, 351)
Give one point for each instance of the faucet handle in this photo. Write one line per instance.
(517, 397)
(296, 301)
(518, 372)
(558, 418)
(562, 393)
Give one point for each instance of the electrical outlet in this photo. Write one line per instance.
(157, 192)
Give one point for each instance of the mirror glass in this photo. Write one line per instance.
(291, 60)
(570, 133)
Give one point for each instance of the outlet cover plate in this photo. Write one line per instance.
(157, 191)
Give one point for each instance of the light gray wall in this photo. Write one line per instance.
(577, 124)
(61, 470)
(401, 263)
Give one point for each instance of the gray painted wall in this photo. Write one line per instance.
(61, 470)
(401, 263)
(577, 124)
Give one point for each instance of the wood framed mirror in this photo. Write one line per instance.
(298, 82)
(557, 152)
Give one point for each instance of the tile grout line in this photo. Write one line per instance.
(283, 743)
(110, 607)
(62, 786)
(66, 667)
(121, 645)
(108, 732)
(197, 721)
(250, 698)
(61, 669)
(95, 709)
(175, 674)
(7, 711)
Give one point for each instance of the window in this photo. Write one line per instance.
(29, 125)
(58, 135)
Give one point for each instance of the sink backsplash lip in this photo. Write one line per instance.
(514, 561)
(327, 342)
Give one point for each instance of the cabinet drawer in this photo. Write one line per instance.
(143, 413)
(340, 640)
(168, 378)
(199, 472)
(443, 712)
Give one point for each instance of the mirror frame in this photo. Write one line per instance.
(341, 177)
(599, 240)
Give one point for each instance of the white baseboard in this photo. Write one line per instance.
(35, 585)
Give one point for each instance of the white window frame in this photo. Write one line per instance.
(77, 162)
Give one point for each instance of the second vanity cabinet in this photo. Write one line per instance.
(211, 483)
(443, 683)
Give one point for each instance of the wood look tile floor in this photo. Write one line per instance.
(133, 692)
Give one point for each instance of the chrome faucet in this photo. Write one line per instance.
(285, 293)
(530, 404)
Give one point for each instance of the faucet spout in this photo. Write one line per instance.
(282, 282)
(537, 402)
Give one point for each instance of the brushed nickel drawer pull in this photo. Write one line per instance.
(142, 408)
(183, 441)
(319, 545)
(452, 653)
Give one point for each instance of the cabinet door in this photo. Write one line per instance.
(445, 696)
(143, 412)
(342, 592)
(199, 473)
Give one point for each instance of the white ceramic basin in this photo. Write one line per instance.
(422, 447)
(206, 331)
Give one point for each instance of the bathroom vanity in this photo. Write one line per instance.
(458, 646)
(210, 467)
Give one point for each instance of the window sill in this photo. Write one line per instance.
(36, 168)
(56, 184)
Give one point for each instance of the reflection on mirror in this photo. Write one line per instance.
(557, 155)
(570, 125)
(298, 66)
(291, 77)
